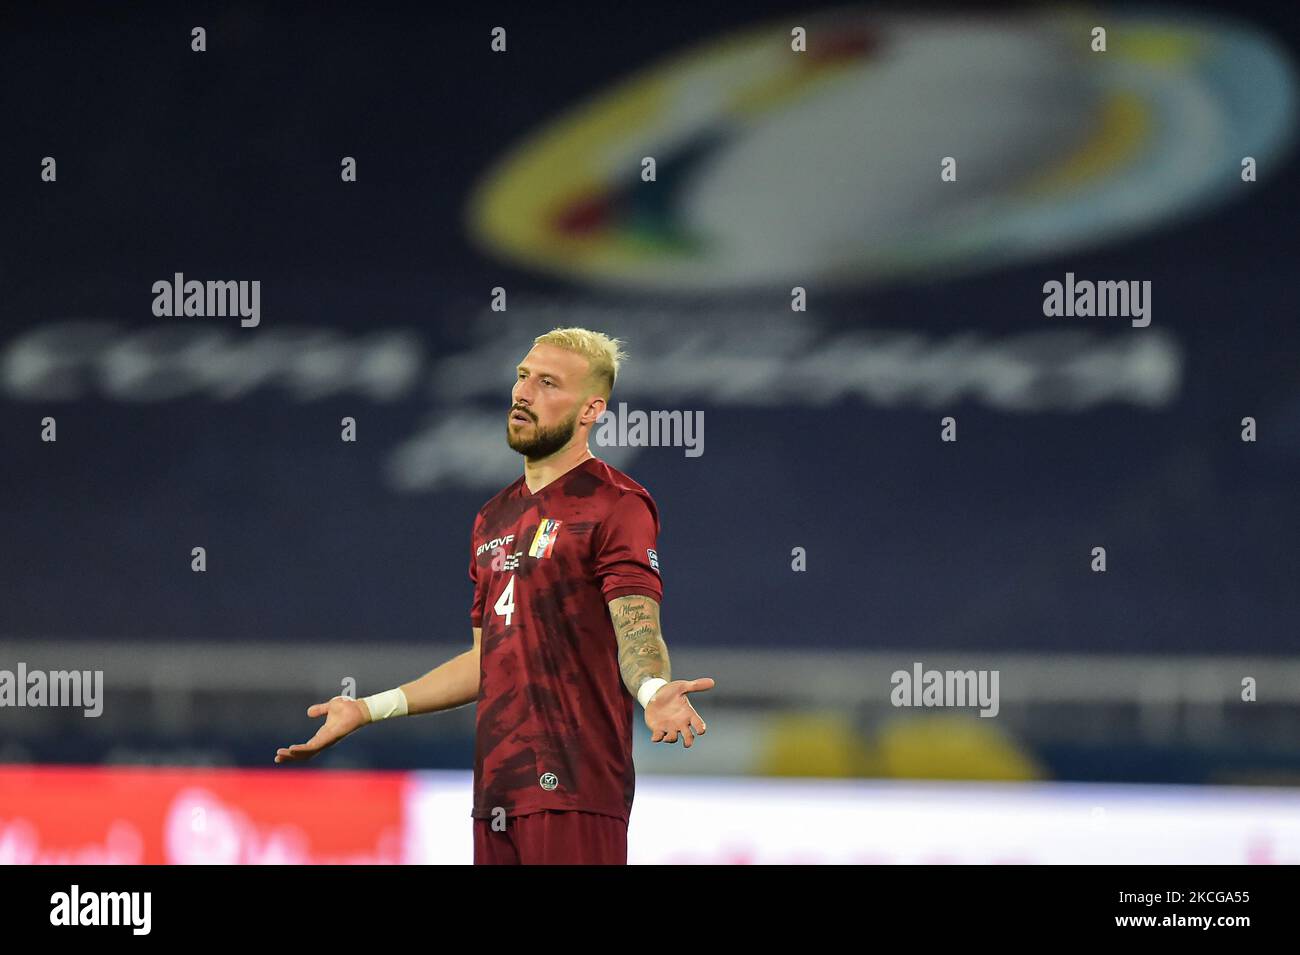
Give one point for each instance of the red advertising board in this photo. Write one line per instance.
(124, 816)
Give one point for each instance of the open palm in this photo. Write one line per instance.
(670, 713)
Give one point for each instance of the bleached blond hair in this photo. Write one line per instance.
(603, 354)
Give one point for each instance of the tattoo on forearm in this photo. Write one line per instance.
(642, 653)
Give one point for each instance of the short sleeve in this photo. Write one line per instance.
(476, 608)
(626, 561)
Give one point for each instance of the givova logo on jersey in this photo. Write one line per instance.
(494, 545)
(544, 540)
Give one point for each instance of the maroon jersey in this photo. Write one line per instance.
(554, 719)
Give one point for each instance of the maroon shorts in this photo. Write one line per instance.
(552, 838)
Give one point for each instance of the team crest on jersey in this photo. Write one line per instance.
(654, 559)
(548, 781)
(544, 541)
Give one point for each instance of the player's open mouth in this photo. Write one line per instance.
(521, 417)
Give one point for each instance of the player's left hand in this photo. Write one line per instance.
(670, 713)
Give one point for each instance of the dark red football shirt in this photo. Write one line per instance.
(554, 719)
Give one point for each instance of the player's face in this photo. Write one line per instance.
(550, 390)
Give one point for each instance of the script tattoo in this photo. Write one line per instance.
(641, 650)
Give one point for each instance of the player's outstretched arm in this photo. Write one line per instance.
(453, 684)
(643, 657)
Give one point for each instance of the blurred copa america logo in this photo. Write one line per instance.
(767, 174)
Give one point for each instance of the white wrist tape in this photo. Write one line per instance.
(648, 689)
(386, 704)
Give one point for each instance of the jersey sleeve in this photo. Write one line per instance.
(476, 608)
(626, 561)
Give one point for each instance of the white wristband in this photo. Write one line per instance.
(648, 690)
(386, 704)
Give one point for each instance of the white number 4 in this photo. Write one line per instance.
(506, 602)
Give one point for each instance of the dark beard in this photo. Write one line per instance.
(545, 442)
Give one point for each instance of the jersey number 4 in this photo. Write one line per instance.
(505, 604)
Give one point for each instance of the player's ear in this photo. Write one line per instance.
(594, 409)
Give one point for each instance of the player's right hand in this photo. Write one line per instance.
(342, 715)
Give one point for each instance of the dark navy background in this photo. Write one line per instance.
(225, 165)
